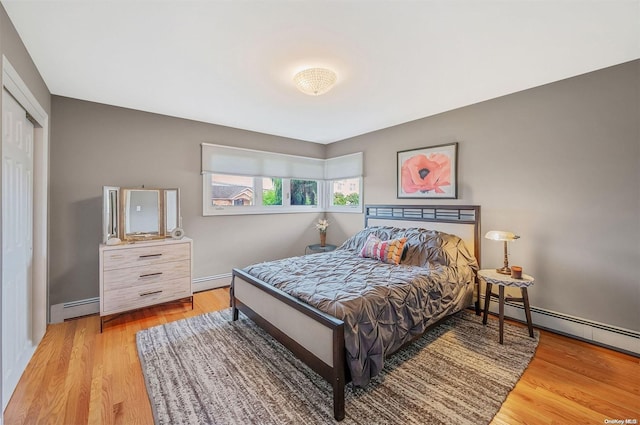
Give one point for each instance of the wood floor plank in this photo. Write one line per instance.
(80, 376)
(78, 382)
(545, 406)
(595, 365)
(609, 400)
(99, 399)
(53, 399)
(51, 347)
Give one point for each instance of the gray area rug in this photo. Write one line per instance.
(209, 370)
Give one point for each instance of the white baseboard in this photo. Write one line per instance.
(70, 310)
(611, 336)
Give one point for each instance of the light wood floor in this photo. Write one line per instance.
(79, 376)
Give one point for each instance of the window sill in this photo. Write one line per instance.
(260, 211)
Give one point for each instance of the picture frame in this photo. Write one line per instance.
(428, 173)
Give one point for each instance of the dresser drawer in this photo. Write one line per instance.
(149, 273)
(145, 255)
(136, 296)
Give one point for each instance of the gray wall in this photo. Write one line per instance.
(11, 46)
(558, 165)
(95, 145)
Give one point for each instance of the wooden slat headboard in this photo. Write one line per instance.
(460, 220)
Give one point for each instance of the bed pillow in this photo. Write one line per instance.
(390, 251)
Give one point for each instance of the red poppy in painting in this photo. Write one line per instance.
(426, 173)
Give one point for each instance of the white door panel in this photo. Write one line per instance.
(17, 242)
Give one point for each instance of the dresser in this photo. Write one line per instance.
(139, 275)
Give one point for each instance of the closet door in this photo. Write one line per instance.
(17, 243)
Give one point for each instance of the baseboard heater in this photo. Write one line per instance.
(211, 282)
(616, 338)
(72, 309)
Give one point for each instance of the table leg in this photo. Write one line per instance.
(527, 310)
(501, 312)
(487, 300)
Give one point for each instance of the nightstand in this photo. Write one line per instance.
(492, 277)
(316, 248)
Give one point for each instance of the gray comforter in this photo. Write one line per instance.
(382, 305)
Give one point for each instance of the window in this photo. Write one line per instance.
(271, 191)
(345, 194)
(226, 194)
(245, 191)
(246, 181)
(231, 190)
(304, 192)
(344, 183)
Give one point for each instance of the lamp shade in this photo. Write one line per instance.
(499, 235)
(315, 81)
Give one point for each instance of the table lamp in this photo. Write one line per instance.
(499, 235)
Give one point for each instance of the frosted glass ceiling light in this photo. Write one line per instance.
(315, 81)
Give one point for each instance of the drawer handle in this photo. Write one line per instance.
(150, 274)
(150, 255)
(144, 294)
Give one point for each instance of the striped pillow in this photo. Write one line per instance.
(387, 251)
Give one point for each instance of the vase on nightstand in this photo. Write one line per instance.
(323, 238)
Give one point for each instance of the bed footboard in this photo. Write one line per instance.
(314, 337)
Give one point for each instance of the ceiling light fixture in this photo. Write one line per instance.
(315, 81)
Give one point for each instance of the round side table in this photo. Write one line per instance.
(316, 248)
(492, 277)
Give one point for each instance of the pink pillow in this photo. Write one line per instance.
(387, 251)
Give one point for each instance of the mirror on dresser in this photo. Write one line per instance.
(110, 202)
(172, 210)
(139, 214)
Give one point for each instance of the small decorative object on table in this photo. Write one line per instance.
(516, 272)
(113, 241)
(322, 225)
(177, 233)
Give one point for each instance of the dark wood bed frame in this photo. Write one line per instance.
(257, 299)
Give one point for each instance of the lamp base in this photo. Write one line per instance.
(504, 270)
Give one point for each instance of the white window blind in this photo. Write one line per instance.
(248, 162)
(343, 167)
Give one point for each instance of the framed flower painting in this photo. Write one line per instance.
(429, 173)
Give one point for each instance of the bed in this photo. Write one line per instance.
(342, 313)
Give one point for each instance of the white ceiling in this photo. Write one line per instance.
(232, 62)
